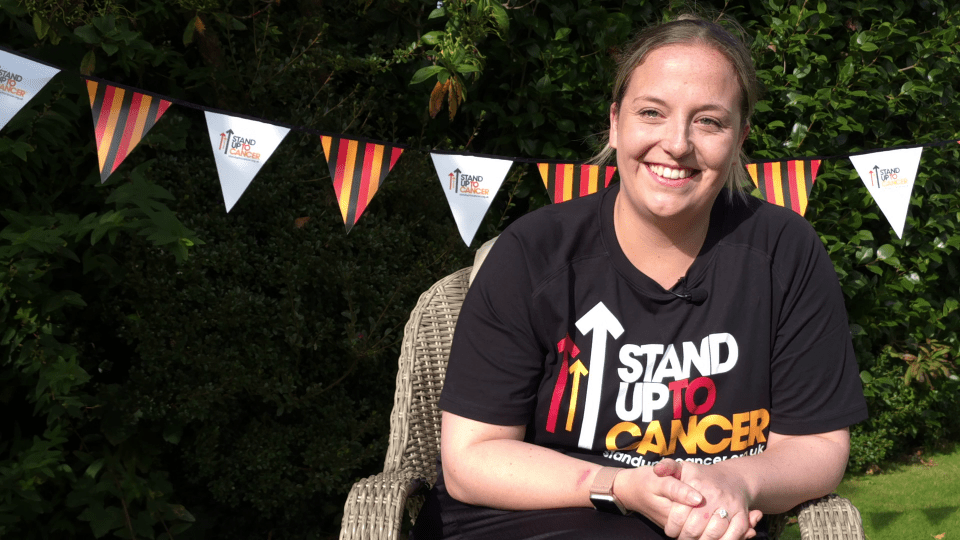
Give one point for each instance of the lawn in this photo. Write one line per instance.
(916, 499)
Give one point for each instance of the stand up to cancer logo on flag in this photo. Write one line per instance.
(240, 148)
(889, 177)
(20, 80)
(470, 183)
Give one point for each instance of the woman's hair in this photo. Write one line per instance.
(688, 30)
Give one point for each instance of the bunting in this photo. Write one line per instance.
(20, 80)
(121, 118)
(565, 181)
(470, 183)
(240, 148)
(889, 177)
(358, 169)
(785, 183)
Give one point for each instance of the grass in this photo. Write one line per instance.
(917, 498)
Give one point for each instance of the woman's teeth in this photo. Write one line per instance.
(673, 174)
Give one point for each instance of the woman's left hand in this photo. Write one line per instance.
(721, 490)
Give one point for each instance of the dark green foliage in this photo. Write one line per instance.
(171, 370)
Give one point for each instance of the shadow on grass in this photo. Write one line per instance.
(883, 520)
(936, 515)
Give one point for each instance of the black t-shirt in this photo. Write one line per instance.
(561, 333)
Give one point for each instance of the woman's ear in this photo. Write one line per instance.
(612, 139)
(743, 136)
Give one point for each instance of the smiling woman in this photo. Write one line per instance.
(664, 351)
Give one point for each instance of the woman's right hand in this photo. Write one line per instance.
(654, 491)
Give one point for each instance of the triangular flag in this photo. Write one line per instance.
(120, 118)
(565, 181)
(358, 169)
(470, 183)
(889, 177)
(785, 183)
(240, 148)
(20, 80)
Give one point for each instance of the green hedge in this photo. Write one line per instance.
(173, 371)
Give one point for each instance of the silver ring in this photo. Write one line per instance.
(722, 513)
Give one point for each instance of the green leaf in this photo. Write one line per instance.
(562, 34)
(437, 13)
(885, 251)
(500, 17)
(87, 33)
(189, 30)
(432, 38)
(423, 74)
(110, 48)
(40, 26)
(89, 63)
(94, 469)
(868, 46)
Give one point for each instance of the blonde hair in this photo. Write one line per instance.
(692, 29)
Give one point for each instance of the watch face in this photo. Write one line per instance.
(608, 503)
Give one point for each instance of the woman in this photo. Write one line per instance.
(665, 321)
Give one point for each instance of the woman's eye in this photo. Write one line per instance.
(710, 122)
(649, 113)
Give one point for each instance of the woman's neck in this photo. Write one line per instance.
(663, 249)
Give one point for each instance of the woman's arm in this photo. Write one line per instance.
(490, 465)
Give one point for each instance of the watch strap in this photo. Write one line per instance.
(603, 481)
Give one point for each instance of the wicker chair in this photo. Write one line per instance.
(375, 505)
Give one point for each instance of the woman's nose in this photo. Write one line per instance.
(676, 138)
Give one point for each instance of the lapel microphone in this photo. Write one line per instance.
(694, 296)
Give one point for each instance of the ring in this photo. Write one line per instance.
(722, 513)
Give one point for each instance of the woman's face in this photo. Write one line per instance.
(677, 132)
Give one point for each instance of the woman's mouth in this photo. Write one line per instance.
(670, 176)
(670, 173)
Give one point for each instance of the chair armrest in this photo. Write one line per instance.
(374, 507)
(829, 518)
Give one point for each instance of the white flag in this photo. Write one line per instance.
(470, 184)
(889, 177)
(240, 148)
(20, 80)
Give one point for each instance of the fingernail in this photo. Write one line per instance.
(695, 498)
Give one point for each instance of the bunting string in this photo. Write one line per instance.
(123, 115)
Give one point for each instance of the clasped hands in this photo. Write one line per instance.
(690, 501)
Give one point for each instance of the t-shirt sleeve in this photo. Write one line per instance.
(495, 362)
(815, 381)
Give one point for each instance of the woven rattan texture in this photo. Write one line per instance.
(375, 506)
(830, 518)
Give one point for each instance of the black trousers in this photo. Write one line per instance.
(443, 517)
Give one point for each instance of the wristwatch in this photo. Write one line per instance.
(601, 492)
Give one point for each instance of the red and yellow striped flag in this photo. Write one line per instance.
(121, 118)
(357, 169)
(565, 181)
(785, 183)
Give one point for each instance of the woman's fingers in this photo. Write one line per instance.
(668, 467)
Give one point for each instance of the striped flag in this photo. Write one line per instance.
(121, 118)
(358, 169)
(785, 183)
(565, 181)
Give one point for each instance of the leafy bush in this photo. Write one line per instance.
(175, 371)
